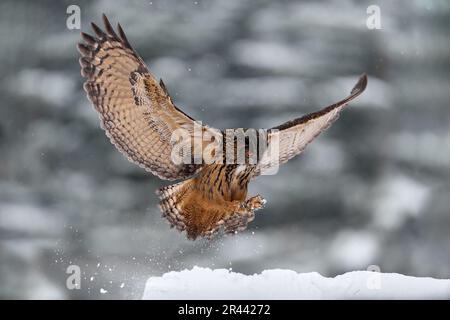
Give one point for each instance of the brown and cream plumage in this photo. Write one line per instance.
(140, 118)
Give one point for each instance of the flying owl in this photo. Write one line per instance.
(141, 120)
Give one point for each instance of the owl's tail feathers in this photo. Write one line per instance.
(171, 198)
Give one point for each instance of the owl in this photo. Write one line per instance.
(140, 118)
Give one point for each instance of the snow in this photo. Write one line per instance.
(204, 283)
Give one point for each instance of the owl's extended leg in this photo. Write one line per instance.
(255, 203)
(245, 213)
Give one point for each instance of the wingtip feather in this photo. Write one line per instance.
(123, 37)
(90, 40)
(360, 85)
(83, 49)
(108, 27)
(99, 32)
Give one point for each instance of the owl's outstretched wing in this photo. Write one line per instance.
(291, 138)
(135, 109)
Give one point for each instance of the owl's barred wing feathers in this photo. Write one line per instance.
(293, 136)
(135, 110)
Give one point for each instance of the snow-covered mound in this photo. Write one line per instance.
(204, 283)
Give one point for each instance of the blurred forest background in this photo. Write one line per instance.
(373, 190)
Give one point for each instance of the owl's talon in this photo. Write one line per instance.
(255, 203)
